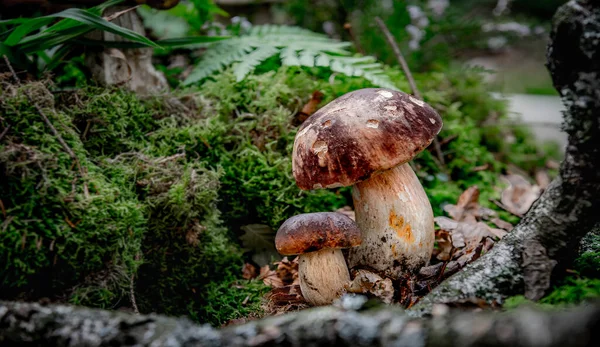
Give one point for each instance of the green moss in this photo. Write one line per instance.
(573, 291)
(588, 262)
(55, 239)
(109, 121)
(233, 299)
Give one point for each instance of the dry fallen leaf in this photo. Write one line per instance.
(367, 282)
(444, 241)
(542, 178)
(468, 208)
(287, 270)
(309, 108)
(520, 194)
(502, 224)
(249, 271)
(269, 277)
(467, 234)
(468, 200)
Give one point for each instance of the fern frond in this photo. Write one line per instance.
(294, 46)
(252, 60)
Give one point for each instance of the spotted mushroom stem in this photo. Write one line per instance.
(396, 220)
(323, 275)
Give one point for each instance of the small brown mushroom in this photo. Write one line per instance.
(365, 138)
(318, 239)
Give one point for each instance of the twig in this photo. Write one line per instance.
(136, 310)
(390, 39)
(2, 208)
(359, 48)
(52, 128)
(6, 223)
(132, 290)
(4, 132)
(120, 13)
(409, 77)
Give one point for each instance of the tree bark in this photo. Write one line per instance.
(37, 325)
(130, 67)
(525, 260)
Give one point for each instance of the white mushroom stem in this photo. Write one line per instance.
(323, 275)
(396, 220)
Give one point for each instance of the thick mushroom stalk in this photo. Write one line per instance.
(365, 138)
(396, 220)
(323, 275)
(318, 239)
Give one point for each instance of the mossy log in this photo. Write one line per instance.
(37, 325)
(546, 238)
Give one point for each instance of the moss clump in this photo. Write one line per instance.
(233, 299)
(160, 212)
(55, 240)
(573, 291)
(588, 262)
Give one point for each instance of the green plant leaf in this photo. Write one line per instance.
(96, 22)
(260, 240)
(57, 57)
(196, 41)
(28, 25)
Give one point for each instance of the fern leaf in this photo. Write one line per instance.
(307, 58)
(289, 57)
(219, 56)
(294, 46)
(252, 60)
(323, 60)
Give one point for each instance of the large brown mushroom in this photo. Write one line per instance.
(365, 138)
(318, 239)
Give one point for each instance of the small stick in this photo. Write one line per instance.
(132, 290)
(409, 77)
(359, 48)
(4, 132)
(51, 126)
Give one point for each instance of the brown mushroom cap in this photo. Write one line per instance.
(359, 134)
(312, 232)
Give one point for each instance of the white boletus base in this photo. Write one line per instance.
(396, 220)
(323, 275)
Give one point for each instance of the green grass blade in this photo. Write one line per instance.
(26, 28)
(166, 43)
(50, 40)
(58, 57)
(96, 22)
(78, 18)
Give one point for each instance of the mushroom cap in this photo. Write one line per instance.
(311, 232)
(359, 134)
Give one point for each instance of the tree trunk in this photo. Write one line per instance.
(525, 260)
(36, 325)
(129, 67)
